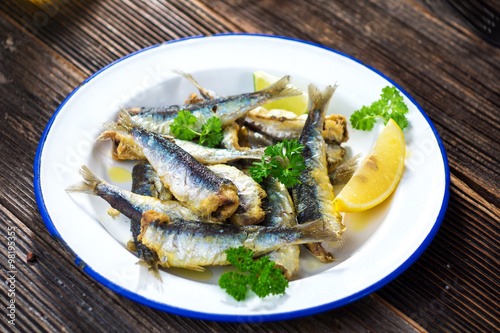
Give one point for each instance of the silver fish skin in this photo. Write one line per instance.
(194, 245)
(250, 193)
(145, 181)
(125, 148)
(282, 124)
(227, 109)
(207, 155)
(255, 139)
(190, 182)
(313, 197)
(280, 212)
(130, 204)
(276, 123)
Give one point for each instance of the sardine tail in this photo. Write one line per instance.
(124, 124)
(344, 172)
(115, 127)
(90, 181)
(188, 77)
(319, 100)
(317, 231)
(204, 92)
(152, 267)
(281, 89)
(125, 119)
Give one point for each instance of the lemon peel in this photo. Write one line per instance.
(378, 175)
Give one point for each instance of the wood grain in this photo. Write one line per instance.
(422, 45)
(53, 291)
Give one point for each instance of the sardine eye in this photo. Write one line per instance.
(214, 108)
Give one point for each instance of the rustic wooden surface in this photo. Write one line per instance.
(47, 48)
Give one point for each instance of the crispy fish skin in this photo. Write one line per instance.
(130, 204)
(281, 124)
(227, 109)
(280, 212)
(190, 182)
(231, 138)
(314, 196)
(125, 148)
(194, 245)
(334, 156)
(250, 193)
(335, 129)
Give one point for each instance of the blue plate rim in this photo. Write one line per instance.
(241, 318)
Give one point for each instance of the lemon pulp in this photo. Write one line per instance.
(378, 174)
(296, 104)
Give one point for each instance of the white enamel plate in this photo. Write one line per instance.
(379, 244)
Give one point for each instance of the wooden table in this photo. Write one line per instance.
(49, 47)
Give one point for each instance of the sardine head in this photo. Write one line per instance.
(154, 218)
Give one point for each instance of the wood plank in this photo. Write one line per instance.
(53, 292)
(423, 46)
(463, 272)
(49, 285)
(91, 34)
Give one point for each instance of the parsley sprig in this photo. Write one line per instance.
(261, 276)
(284, 161)
(210, 135)
(390, 105)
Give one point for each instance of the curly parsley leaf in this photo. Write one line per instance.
(266, 279)
(261, 276)
(260, 170)
(180, 128)
(210, 134)
(235, 285)
(390, 105)
(240, 257)
(284, 161)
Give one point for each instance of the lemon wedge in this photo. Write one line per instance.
(378, 175)
(296, 104)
